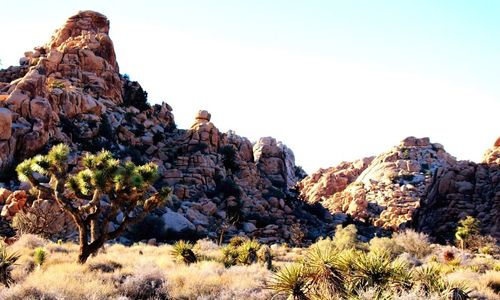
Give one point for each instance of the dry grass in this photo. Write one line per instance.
(150, 272)
(137, 272)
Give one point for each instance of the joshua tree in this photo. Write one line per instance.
(467, 228)
(80, 190)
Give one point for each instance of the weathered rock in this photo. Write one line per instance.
(5, 124)
(177, 226)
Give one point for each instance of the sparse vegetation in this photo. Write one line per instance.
(325, 270)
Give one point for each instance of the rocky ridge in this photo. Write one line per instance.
(415, 184)
(70, 91)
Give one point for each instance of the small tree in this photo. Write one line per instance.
(466, 228)
(79, 190)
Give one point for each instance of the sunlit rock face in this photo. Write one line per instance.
(70, 91)
(415, 184)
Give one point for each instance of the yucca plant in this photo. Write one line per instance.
(429, 279)
(7, 261)
(229, 256)
(237, 241)
(291, 281)
(467, 228)
(39, 256)
(457, 292)
(372, 269)
(79, 191)
(247, 252)
(183, 251)
(265, 256)
(325, 270)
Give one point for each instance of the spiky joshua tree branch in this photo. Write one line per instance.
(79, 190)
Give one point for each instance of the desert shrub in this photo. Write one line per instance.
(387, 245)
(39, 256)
(105, 267)
(467, 228)
(20, 292)
(448, 255)
(229, 256)
(413, 242)
(144, 285)
(325, 270)
(30, 241)
(229, 156)
(291, 281)
(57, 85)
(40, 220)
(183, 251)
(297, 234)
(265, 256)
(377, 270)
(7, 262)
(484, 244)
(492, 280)
(346, 237)
(134, 95)
(240, 250)
(247, 252)
(237, 241)
(207, 250)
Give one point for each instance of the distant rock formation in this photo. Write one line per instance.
(415, 184)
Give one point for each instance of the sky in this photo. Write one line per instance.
(333, 80)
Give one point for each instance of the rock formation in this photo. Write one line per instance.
(415, 184)
(70, 91)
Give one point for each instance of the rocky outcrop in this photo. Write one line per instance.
(72, 76)
(276, 162)
(461, 190)
(415, 184)
(326, 182)
(12, 203)
(72, 93)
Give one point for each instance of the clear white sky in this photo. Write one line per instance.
(334, 80)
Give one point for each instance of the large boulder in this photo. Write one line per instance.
(177, 226)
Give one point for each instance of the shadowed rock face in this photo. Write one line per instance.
(414, 184)
(70, 91)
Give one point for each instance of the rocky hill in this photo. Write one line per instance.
(70, 91)
(415, 184)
